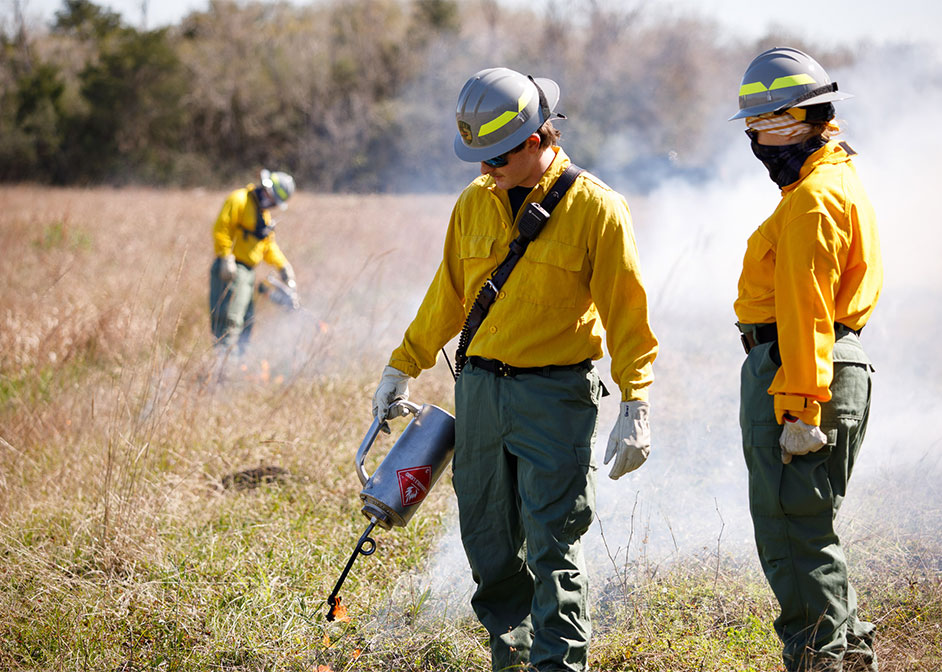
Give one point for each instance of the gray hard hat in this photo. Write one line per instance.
(499, 108)
(781, 78)
(280, 185)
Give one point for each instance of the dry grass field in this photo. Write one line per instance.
(122, 548)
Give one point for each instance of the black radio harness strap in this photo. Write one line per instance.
(532, 221)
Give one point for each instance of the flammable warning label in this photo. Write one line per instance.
(414, 484)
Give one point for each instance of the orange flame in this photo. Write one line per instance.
(339, 611)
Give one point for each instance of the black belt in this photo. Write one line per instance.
(754, 334)
(498, 368)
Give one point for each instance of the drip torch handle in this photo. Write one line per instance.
(365, 448)
(371, 434)
(414, 409)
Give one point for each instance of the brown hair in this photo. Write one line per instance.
(821, 119)
(824, 129)
(549, 135)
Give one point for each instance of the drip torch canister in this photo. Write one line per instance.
(404, 478)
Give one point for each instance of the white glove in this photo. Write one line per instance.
(393, 385)
(630, 439)
(227, 269)
(799, 438)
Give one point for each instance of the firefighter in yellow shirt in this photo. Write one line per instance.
(811, 277)
(244, 236)
(527, 397)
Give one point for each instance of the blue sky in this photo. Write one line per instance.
(828, 22)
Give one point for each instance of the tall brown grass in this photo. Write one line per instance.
(120, 547)
(112, 430)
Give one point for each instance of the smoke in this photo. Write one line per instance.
(689, 499)
(899, 135)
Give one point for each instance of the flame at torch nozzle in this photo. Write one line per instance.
(338, 612)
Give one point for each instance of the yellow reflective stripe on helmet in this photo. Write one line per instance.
(507, 116)
(752, 87)
(779, 83)
(282, 194)
(791, 80)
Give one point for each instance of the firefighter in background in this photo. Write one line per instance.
(243, 236)
(527, 400)
(810, 280)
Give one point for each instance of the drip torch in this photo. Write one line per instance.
(401, 482)
(279, 293)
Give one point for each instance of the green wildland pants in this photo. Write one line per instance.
(793, 507)
(232, 306)
(525, 481)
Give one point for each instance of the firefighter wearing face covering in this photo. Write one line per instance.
(527, 397)
(244, 236)
(811, 277)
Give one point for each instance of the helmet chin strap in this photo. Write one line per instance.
(827, 88)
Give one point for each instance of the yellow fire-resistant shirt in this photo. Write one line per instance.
(578, 276)
(814, 262)
(234, 232)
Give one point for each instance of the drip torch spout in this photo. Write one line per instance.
(365, 546)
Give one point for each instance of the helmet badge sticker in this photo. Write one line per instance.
(414, 484)
(464, 128)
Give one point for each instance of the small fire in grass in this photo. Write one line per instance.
(338, 612)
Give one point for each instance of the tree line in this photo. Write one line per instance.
(351, 95)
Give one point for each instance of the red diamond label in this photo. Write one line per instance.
(414, 484)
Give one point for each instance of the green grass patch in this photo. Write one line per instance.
(62, 235)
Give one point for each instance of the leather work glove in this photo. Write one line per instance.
(287, 275)
(799, 438)
(630, 440)
(227, 269)
(392, 386)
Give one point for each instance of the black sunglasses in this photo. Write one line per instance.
(497, 161)
(503, 160)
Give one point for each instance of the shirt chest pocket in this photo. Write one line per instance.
(759, 250)
(477, 261)
(551, 274)
(759, 266)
